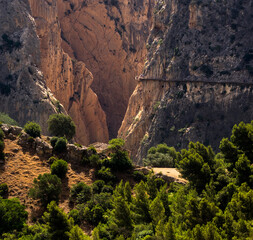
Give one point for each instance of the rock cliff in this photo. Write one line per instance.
(196, 82)
(110, 38)
(68, 78)
(23, 92)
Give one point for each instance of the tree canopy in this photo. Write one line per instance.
(61, 125)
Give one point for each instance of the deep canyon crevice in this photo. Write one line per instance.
(111, 40)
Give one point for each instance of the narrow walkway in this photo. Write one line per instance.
(142, 79)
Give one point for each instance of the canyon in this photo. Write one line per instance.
(84, 46)
(83, 58)
(110, 38)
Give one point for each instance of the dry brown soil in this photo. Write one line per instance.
(22, 166)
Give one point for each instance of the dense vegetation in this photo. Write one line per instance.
(215, 204)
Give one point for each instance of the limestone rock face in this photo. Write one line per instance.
(199, 69)
(67, 78)
(110, 38)
(23, 92)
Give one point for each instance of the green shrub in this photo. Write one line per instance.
(4, 190)
(139, 176)
(51, 160)
(76, 233)
(92, 149)
(116, 143)
(1, 134)
(107, 189)
(97, 186)
(12, 215)
(61, 125)
(53, 141)
(59, 168)
(80, 193)
(61, 145)
(46, 188)
(94, 160)
(4, 118)
(105, 174)
(33, 129)
(161, 156)
(74, 213)
(119, 157)
(1, 150)
(120, 161)
(93, 215)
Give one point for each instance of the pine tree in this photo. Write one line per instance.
(141, 204)
(57, 222)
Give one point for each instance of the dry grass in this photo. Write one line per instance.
(22, 166)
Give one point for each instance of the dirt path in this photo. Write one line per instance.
(170, 172)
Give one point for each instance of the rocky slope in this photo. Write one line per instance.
(23, 92)
(206, 48)
(110, 38)
(67, 78)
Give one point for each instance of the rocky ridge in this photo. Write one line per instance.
(199, 66)
(23, 91)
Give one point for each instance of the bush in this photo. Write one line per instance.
(105, 174)
(60, 145)
(120, 161)
(97, 186)
(4, 118)
(1, 134)
(93, 160)
(95, 215)
(1, 150)
(59, 168)
(119, 157)
(139, 176)
(53, 141)
(74, 213)
(80, 193)
(161, 156)
(46, 188)
(33, 129)
(51, 160)
(12, 215)
(107, 189)
(61, 125)
(4, 190)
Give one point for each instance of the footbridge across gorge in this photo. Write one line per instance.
(143, 79)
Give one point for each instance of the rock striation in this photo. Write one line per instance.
(69, 79)
(197, 80)
(23, 91)
(110, 38)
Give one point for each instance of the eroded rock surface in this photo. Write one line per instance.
(199, 45)
(110, 38)
(23, 92)
(67, 78)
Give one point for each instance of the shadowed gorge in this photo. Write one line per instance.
(110, 39)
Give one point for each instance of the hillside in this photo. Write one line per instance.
(142, 205)
(26, 159)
